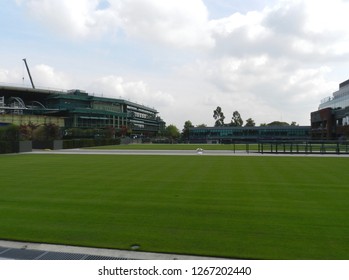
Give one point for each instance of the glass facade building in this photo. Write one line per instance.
(79, 109)
(331, 121)
(230, 134)
(339, 99)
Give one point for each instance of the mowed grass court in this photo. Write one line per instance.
(236, 207)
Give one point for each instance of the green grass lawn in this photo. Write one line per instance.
(242, 207)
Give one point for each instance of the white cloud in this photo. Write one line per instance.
(43, 76)
(75, 19)
(264, 63)
(139, 91)
(305, 30)
(47, 77)
(262, 87)
(288, 26)
(275, 62)
(307, 84)
(9, 77)
(178, 23)
(326, 16)
(326, 20)
(249, 24)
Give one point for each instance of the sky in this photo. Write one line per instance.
(270, 60)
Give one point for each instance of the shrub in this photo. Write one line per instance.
(6, 147)
(46, 132)
(9, 133)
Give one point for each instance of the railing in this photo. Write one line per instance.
(2, 104)
(306, 147)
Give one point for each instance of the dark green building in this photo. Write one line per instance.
(77, 109)
(230, 134)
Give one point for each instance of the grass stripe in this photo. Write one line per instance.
(244, 207)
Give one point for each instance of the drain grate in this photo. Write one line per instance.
(25, 254)
(103, 258)
(21, 254)
(62, 256)
(2, 250)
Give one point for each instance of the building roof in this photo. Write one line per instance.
(75, 94)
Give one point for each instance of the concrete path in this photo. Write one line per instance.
(178, 153)
(37, 251)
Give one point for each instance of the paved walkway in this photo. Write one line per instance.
(138, 152)
(37, 251)
(179, 153)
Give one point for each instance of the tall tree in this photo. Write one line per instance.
(250, 122)
(202, 125)
(236, 120)
(218, 116)
(278, 123)
(185, 131)
(172, 132)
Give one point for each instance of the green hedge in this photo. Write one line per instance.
(9, 147)
(83, 143)
(6, 147)
(9, 133)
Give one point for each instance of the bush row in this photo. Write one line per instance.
(7, 147)
(9, 133)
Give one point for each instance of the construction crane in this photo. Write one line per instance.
(30, 76)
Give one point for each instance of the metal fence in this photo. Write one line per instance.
(304, 147)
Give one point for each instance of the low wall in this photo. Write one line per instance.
(52, 145)
(8, 147)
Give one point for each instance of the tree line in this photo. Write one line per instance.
(236, 121)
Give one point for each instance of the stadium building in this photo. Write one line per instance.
(331, 120)
(229, 134)
(76, 109)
